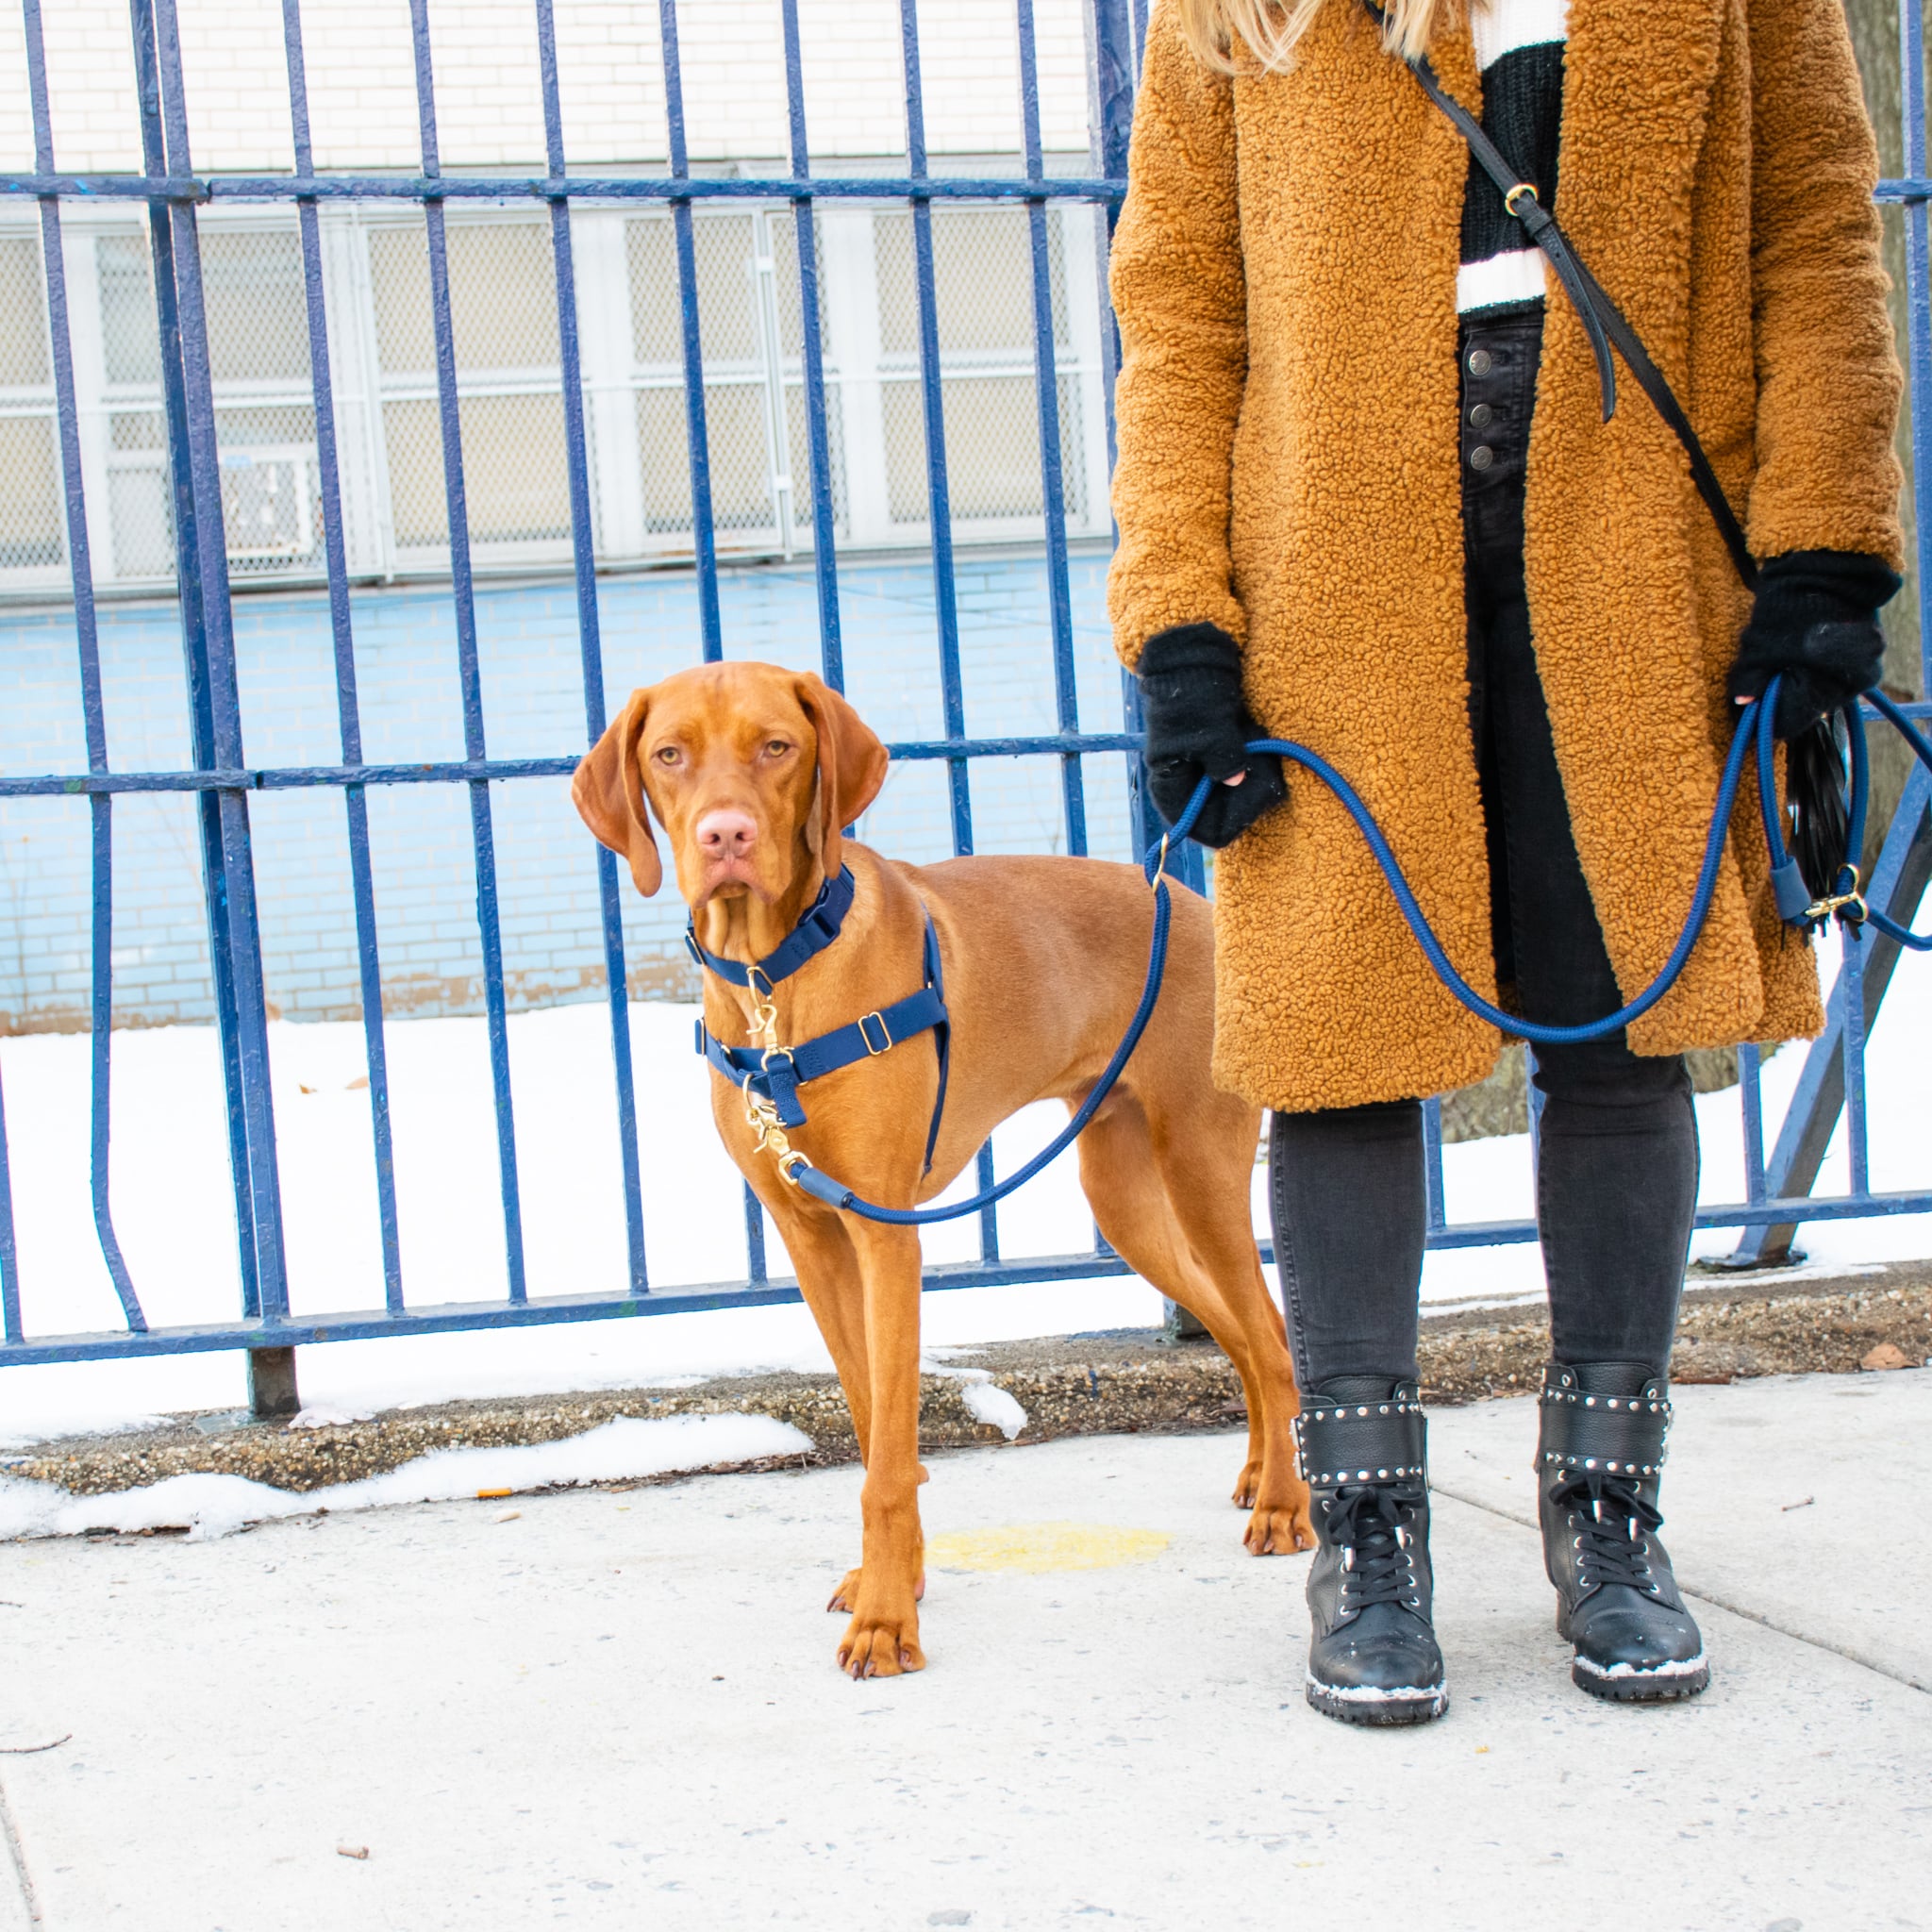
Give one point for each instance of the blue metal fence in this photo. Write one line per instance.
(221, 781)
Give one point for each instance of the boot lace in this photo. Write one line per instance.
(1612, 1522)
(1365, 1523)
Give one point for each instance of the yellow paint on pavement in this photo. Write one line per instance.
(1033, 1547)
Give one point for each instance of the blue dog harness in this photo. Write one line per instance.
(774, 1073)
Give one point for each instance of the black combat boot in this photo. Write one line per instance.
(1373, 1657)
(1598, 1461)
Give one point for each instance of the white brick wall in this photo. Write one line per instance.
(362, 98)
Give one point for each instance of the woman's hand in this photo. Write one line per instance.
(1815, 625)
(1198, 726)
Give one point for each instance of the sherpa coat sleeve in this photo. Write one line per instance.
(1826, 477)
(1180, 291)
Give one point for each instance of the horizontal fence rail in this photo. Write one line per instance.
(222, 783)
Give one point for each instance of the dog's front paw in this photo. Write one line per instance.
(882, 1646)
(1247, 1486)
(1281, 1531)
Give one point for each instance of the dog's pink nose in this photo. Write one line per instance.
(726, 834)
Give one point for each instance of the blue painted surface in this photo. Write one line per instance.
(420, 836)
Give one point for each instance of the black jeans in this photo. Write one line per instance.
(1616, 1163)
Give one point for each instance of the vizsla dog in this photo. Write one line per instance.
(753, 771)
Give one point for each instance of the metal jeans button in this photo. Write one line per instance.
(1481, 456)
(1480, 361)
(1481, 416)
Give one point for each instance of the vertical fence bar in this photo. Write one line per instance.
(590, 641)
(195, 647)
(755, 1240)
(1435, 1197)
(9, 1258)
(202, 460)
(823, 551)
(932, 396)
(348, 708)
(704, 534)
(698, 439)
(1112, 69)
(1751, 1097)
(1052, 477)
(86, 638)
(1911, 36)
(462, 591)
(939, 511)
(1852, 974)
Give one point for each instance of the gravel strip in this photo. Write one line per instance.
(1122, 1382)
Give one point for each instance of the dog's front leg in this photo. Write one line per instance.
(882, 1639)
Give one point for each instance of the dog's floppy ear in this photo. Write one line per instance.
(609, 792)
(852, 765)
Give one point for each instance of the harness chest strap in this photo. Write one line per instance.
(775, 1073)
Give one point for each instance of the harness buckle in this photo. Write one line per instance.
(884, 1034)
(773, 1053)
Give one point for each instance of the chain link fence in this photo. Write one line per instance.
(504, 304)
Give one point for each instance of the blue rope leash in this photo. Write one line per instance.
(821, 1186)
(1794, 903)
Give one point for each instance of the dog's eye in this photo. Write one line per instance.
(668, 755)
(776, 748)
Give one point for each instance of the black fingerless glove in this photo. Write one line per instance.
(1815, 624)
(1198, 726)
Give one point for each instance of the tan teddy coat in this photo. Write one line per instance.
(1285, 277)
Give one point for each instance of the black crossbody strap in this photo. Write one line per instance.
(1603, 321)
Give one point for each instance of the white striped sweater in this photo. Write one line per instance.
(1518, 51)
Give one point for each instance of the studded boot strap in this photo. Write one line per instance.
(1374, 1442)
(1615, 1434)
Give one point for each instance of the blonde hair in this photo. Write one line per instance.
(1266, 32)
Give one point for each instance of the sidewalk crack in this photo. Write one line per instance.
(1708, 1597)
(16, 1852)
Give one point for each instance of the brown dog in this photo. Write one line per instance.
(752, 770)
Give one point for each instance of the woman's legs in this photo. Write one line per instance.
(1616, 1176)
(1345, 1187)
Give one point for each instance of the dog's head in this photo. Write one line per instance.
(751, 769)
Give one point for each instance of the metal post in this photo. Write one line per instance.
(1899, 881)
(273, 1395)
(194, 647)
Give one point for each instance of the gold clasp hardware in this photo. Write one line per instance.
(1835, 903)
(1527, 188)
(762, 1117)
(1160, 866)
(764, 1015)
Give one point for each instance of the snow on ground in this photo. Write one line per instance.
(211, 1505)
(174, 1211)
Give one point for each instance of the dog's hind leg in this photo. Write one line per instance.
(1180, 1219)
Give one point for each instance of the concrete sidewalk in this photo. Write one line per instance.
(620, 1709)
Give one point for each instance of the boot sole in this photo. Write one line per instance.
(1666, 1684)
(1362, 1706)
